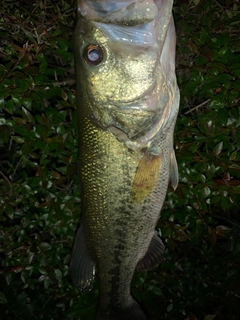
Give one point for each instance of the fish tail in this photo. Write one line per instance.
(133, 312)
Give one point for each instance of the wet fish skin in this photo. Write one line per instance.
(127, 108)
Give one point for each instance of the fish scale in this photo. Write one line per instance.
(100, 193)
(126, 155)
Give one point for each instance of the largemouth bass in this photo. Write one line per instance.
(127, 100)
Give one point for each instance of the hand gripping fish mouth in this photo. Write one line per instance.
(128, 12)
(127, 102)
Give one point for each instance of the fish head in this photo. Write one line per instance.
(118, 51)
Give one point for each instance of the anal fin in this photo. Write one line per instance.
(153, 256)
(82, 267)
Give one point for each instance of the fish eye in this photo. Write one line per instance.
(93, 55)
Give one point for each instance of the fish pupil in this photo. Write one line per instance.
(93, 55)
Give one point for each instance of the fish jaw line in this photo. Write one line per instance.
(163, 123)
(147, 101)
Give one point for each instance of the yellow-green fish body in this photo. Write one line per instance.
(127, 100)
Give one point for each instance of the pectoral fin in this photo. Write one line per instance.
(173, 176)
(153, 256)
(81, 265)
(146, 176)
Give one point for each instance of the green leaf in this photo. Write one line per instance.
(208, 53)
(2, 121)
(233, 155)
(45, 245)
(19, 120)
(2, 100)
(234, 166)
(42, 270)
(3, 72)
(157, 291)
(218, 148)
(140, 281)
(63, 44)
(169, 307)
(206, 192)
(74, 311)
(10, 106)
(3, 299)
(24, 276)
(27, 102)
(18, 139)
(27, 115)
(58, 274)
(47, 282)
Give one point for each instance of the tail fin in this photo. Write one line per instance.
(133, 312)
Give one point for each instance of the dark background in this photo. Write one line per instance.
(39, 197)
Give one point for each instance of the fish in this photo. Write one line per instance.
(127, 105)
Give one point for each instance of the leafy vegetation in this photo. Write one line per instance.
(39, 203)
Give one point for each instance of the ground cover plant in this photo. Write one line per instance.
(39, 197)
